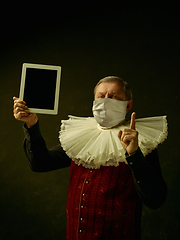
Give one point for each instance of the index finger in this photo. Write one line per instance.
(132, 124)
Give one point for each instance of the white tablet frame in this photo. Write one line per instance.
(57, 90)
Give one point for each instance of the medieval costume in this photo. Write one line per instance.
(107, 186)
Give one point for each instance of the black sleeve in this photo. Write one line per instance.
(41, 159)
(148, 179)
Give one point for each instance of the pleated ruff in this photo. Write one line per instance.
(90, 145)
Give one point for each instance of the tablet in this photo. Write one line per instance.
(40, 87)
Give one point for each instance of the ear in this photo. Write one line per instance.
(129, 105)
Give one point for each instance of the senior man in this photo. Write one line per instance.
(113, 170)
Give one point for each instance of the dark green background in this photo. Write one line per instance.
(91, 40)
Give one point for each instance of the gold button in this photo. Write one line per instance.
(82, 206)
(80, 230)
(84, 194)
(81, 219)
(87, 182)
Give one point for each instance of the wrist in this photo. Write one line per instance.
(32, 122)
(30, 125)
(133, 151)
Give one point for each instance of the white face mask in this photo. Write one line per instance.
(109, 112)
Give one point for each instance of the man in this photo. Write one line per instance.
(104, 197)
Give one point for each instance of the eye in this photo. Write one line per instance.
(116, 97)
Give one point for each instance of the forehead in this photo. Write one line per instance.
(115, 87)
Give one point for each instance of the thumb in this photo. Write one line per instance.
(14, 98)
(119, 134)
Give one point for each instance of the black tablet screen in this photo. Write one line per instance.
(40, 86)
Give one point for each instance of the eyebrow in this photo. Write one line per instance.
(104, 93)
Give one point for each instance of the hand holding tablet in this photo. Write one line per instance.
(22, 113)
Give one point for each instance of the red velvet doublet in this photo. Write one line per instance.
(101, 203)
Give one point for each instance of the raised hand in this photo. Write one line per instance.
(129, 137)
(22, 113)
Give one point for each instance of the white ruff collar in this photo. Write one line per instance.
(91, 145)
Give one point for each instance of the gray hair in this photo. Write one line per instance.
(126, 87)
